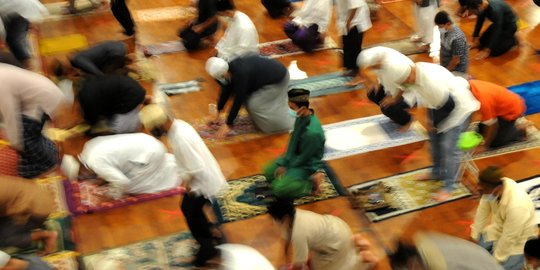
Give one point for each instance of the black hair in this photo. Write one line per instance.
(532, 248)
(280, 208)
(491, 176)
(473, 4)
(58, 69)
(403, 255)
(299, 92)
(442, 18)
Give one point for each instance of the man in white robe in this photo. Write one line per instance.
(240, 38)
(198, 167)
(133, 163)
(310, 23)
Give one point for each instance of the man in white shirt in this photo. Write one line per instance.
(133, 163)
(352, 21)
(28, 101)
(390, 68)
(309, 25)
(450, 104)
(197, 166)
(240, 38)
(505, 218)
(16, 16)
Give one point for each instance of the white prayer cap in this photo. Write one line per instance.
(4, 258)
(152, 116)
(70, 166)
(216, 67)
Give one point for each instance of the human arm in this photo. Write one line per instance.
(210, 6)
(110, 173)
(483, 213)
(459, 48)
(311, 149)
(478, 26)
(85, 64)
(352, 13)
(514, 223)
(491, 128)
(240, 85)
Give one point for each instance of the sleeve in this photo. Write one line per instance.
(311, 147)
(83, 63)
(224, 95)
(483, 213)
(187, 155)
(4, 259)
(479, 23)
(11, 115)
(300, 245)
(109, 173)
(240, 90)
(459, 47)
(515, 221)
(435, 46)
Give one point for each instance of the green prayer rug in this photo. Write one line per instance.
(404, 194)
(330, 83)
(243, 199)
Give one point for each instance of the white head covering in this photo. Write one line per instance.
(152, 116)
(216, 67)
(242, 257)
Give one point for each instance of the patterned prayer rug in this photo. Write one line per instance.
(62, 44)
(406, 194)
(85, 197)
(243, 198)
(325, 84)
(244, 129)
(530, 92)
(533, 141)
(285, 47)
(54, 184)
(367, 134)
(65, 260)
(59, 10)
(170, 252)
(173, 46)
(180, 87)
(164, 13)
(532, 187)
(405, 46)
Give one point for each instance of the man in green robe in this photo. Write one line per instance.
(298, 172)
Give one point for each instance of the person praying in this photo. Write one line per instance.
(308, 27)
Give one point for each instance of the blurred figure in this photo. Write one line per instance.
(500, 108)
(297, 172)
(308, 27)
(532, 254)
(390, 67)
(205, 25)
(24, 207)
(116, 99)
(500, 36)
(434, 251)
(16, 17)
(278, 8)
(424, 11)
(240, 38)
(198, 169)
(241, 257)
(353, 20)
(326, 238)
(130, 164)
(28, 101)
(454, 50)
(258, 83)
(121, 12)
(505, 218)
(22, 262)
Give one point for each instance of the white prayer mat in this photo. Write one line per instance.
(164, 13)
(532, 187)
(368, 134)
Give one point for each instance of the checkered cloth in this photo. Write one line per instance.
(40, 154)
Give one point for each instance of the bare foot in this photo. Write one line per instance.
(368, 257)
(361, 242)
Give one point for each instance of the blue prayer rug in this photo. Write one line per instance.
(531, 93)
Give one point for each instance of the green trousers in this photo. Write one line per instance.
(294, 183)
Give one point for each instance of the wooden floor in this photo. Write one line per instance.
(144, 221)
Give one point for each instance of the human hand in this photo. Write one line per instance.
(356, 81)
(280, 171)
(474, 43)
(222, 131)
(480, 149)
(483, 54)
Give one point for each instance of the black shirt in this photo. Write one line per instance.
(207, 9)
(105, 96)
(249, 74)
(95, 58)
(502, 17)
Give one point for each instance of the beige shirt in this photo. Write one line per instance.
(25, 93)
(512, 221)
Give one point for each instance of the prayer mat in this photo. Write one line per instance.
(164, 13)
(405, 194)
(146, 70)
(54, 184)
(368, 134)
(530, 92)
(249, 196)
(405, 46)
(9, 159)
(285, 47)
(325, 84)
(62, 44)
(532, 187)
(60, 11)
(173, 46)
(65, 260)
(180, 87)
(169, 252)
(244, 129)
(533, 141)
(84, 197)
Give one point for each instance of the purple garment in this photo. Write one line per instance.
(307, 38)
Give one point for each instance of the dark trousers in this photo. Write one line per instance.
(39, 154)
(276, 8)
(352, 46)
(123, 16)
(307, 38)
(506, 41)
(18, 235)
(396, 112)
(192, 40)
(34, 262)
(506, 133)
(192, 207)
(16, 31)
(438, 115)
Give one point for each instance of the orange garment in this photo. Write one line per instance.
(497, 101)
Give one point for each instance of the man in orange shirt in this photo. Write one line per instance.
(500, 108)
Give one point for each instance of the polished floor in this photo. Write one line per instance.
(143, 221)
